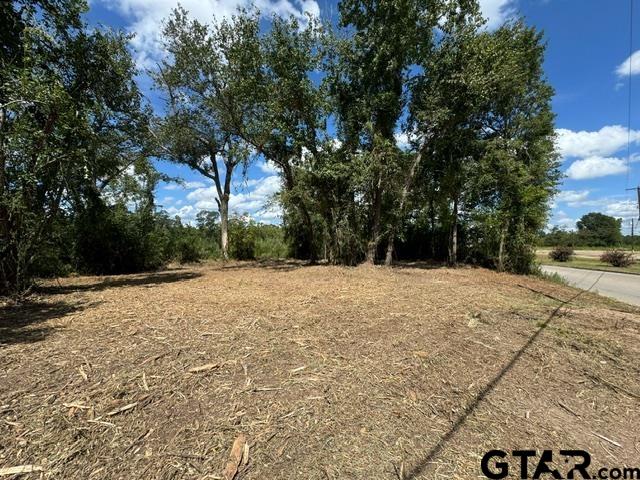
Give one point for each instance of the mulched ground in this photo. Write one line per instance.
(284, 371)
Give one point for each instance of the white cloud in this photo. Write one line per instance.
(255, 201)
(183, 186)
(497, 11)
(187, 213)
(572, 196)
(562, 220)
(402, 140)
(595, 167)
(268, 167)
(606, 141)
(145, 17)
(565, 223)
(597, 202)
(633, 61)
(625, 209)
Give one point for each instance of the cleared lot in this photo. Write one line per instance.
(327, 372)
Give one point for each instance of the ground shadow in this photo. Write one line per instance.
(156, 278)
(274, 265)
(421, 467)
(419, 264)
(18, 322)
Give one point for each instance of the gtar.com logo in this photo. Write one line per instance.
(498, 464)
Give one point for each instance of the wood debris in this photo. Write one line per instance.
(20, 470)
(122, 409)
(204, 368)
(238, 458)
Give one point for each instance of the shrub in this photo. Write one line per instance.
(242, 239)
(617, 258)
(189, 250)
(270, 242)
(113, 240)
(561, 254)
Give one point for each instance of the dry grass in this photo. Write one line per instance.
(328, 373)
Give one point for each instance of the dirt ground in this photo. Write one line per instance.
(312, 373)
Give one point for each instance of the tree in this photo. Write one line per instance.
(207, 222)
(209, 83)
(445, 107)
(484, 108)
(519, 170)
(367, 83)
(71, 119)
(293, 118)
(599, 230)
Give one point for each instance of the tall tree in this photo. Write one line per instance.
(597, 229)
(443, 108)
(70, 117)
(292, 123)
(519, 171)
(367, 84)
(209, 82)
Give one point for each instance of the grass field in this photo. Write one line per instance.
(589, 259)
(320, 372)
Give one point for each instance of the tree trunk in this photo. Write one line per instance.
(432, 224)
(453, 239)
(289, 184)
(224, 193)
(224, 226)
(388, 259)
(372, 246)
(503, 236)
(403, 198)
(3, 181)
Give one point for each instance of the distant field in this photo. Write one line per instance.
(589, 259)
(325, 372)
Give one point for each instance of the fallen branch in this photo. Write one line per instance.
(204, 368)
(19, 470)
(568, 409)
(612, 442)
(238, 457)
(613, 385)
(122, 409)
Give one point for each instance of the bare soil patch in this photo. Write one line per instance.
(278, 370)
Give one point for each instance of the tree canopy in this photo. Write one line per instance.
(408, 130)
(598, 229)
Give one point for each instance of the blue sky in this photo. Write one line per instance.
(587, 63)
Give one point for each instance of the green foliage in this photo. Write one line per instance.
(561, 254)
(473, 181)
(596, 229)
(271, 243)
(190, 249)
(71, 123)
(242, 239)
(249, 240)
(113, 240)
(559, 236)
(617, 258)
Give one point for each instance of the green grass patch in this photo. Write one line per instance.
(589, 264)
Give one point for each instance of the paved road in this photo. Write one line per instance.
(621, 286)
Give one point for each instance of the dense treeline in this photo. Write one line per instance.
(408, 130)
(592, 230)
(473, 178)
